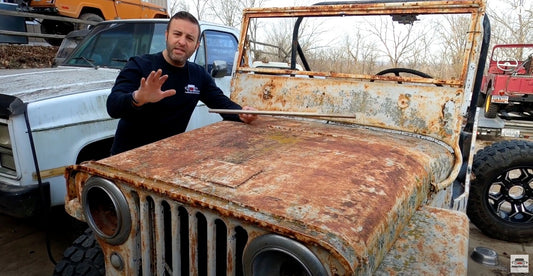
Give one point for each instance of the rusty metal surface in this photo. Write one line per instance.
(299, 178)
(434, 243)
(412, 108)
(417, 106)
(347, 189)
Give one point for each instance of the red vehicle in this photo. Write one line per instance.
(508, 84)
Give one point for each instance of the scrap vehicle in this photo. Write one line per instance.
(54, 117)
(89, 10)
(352, 168)
(508, 84)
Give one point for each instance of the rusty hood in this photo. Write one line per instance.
(37, 84)
(348, 189)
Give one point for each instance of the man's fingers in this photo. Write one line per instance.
(248, 118)
(151, 76)
(150, 89)
(162, 79)
(168, 93)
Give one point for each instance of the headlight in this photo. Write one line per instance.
(106, 210)
(277, 255)
(5, 141)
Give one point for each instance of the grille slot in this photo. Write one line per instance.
(176, 239)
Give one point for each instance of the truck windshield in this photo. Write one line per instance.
(112, 44)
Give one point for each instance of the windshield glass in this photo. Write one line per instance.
(111, 45)
(517, 52)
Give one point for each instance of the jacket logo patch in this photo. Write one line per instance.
(192, 89)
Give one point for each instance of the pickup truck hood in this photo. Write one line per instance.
(255, 170)
(37, 84)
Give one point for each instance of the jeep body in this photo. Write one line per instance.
(358, 176)
(508, 83)
(55, 117)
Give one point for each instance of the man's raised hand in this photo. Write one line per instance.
(150, 89)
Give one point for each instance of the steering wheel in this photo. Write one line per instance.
(397, 70)
(509, 63)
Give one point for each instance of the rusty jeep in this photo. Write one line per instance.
(358, 166)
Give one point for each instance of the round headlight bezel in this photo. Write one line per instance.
(106, 210)
(273, 245)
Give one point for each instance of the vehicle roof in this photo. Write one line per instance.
(203, 24)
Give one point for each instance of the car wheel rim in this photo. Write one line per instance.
(510, 195)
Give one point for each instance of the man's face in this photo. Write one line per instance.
(182, 41)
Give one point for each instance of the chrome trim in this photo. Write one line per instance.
(120, 206)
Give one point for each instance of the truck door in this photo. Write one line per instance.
(214, 45)
(127, 9)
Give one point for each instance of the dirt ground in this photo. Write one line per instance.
(14, 56)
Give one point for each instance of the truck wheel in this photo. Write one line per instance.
(88, 17)
(55, 27)
(500, 203)
(491, 109)
(83, 257)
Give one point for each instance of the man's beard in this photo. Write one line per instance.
(174, 58)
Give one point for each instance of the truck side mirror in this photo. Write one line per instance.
(220, 69)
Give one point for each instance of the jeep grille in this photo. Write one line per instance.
(181, 240)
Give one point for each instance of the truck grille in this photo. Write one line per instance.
(181, 240)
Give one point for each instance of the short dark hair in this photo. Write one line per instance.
(185, 16)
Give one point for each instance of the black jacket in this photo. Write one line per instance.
(154, 121)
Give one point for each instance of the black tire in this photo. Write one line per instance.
(88, 17)
(491, 109)
(55, 27)
(500, 203)
(84, 257)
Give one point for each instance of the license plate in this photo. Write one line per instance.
(499, 99)
(507, 132)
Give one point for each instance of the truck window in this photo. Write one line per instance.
(215, 45)
(114, 44)
(157, 42)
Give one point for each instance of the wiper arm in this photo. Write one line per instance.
(119, 60)
(88, 61)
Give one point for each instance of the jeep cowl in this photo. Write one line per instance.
(354, 167)
(54, 117)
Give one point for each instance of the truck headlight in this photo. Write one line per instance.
(106, 210)
(277, 255)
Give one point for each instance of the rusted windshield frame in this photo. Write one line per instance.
(474, 8)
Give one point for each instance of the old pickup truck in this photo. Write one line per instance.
(54, 117)
(353, 168)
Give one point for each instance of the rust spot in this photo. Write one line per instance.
(404, 100)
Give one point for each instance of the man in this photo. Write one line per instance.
(154, 95)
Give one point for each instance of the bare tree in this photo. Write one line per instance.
(197, 8)
(230, 12)
(397, 40)
(452, 31)
(278, 33)
(361, 53)
(511, 21)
